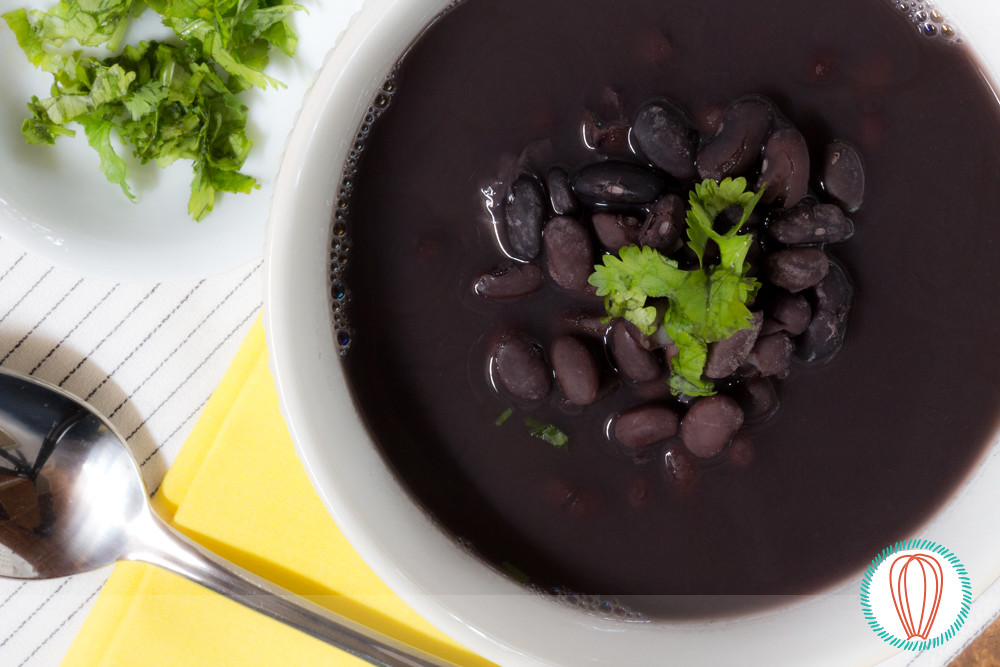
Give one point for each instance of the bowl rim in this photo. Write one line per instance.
(478, 607)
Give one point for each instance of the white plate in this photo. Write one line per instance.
(55, 202)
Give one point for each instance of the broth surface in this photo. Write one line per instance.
(863, 449)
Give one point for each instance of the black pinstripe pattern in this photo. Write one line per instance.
(13, 266)
(59, 627)
(114, 330)
(145, 340)
(183, 382)
(183, 342)
(197, 410)
(75, 327)
(9, 597)
(24, 296)
(31, 615)
(40, 322)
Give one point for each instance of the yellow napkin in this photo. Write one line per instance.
(238, 488)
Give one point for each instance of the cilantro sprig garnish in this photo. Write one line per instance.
(697, 306)
(166, 101)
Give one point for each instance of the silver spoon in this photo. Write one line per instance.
(72, 500)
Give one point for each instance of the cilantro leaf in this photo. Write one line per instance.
(695, 307)
(113, 167)
(626, 281)
(546, 432)
(85, 22)
(707, 200)
(688, 364)
(504, 416)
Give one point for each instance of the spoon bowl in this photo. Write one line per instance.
(72, 500)
(53, 451)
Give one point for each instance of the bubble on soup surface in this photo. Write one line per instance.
(343, 339)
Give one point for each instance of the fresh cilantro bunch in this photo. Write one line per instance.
(165, 101)
(697, 306)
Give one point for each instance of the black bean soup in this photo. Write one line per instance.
(452, 311)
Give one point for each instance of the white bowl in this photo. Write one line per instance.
(463, 597)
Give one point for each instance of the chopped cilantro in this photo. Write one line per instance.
(695, 307)
(166, 101)
(514, 571)
(504, 416)
(547, 432)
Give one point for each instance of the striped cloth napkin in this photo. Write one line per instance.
(238, 488)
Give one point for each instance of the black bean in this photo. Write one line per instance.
(610, 136)
(575, 370)
(680, 469)
(736, 146)
(559, 492)
(509, 280)
(709, 425)
(788, 312)
(638, 492)
(645, 425)
(796, 269)
(726, 355)
(772, 355)
(809, 223)
(611, 103)
(561, 195)
(587, 503)
(615, 230)
(521, 368)
(757, 397)
(664, 134)
(524, 212)
(569, 254)
(652, 390)
(835, 292)
(826, 331)
(614, 184)
(594, 324)
(632, 359)
(709, 118)
(572, 498)
(823, 338)
(785, 169)
(842, 175)
(754, 251)
(663, 225)
(741, 451)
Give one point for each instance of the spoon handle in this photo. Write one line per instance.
(157, 543)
